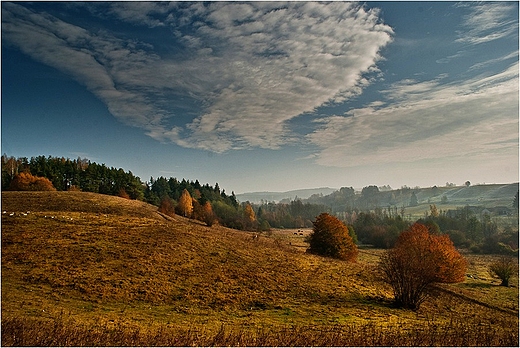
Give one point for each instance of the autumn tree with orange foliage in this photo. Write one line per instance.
(209, 216)
(330, 237)
(185, 204)
(167, 206)
(418, 260)
(29, 182)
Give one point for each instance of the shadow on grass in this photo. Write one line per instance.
(479, 285)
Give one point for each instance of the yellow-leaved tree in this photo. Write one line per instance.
(250, 217)
(185, 204)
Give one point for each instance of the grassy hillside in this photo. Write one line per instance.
(89, 264)
(491, 195)
(257, 197)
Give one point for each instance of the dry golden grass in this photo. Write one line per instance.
(103, 270)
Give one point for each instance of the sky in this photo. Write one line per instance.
(267, 96)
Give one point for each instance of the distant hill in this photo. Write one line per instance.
(257, 197)
(484, 196)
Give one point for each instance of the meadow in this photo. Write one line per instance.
(83, 269)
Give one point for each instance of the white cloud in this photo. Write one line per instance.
(428, 120)
(487, 63)
(488, 21)
(251, 67)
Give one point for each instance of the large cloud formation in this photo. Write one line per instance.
(426, 120)
(441, 120)
(249, 67)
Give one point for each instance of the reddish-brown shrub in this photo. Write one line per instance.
(209, 216)
(29, 182)
(418, 260)
(122, 193)
(203, 213)
(330, 237)
(167, 206)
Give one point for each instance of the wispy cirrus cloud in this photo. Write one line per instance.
(426, 120)
(249, 68)
(488, 21)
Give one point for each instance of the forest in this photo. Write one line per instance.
(362, 212)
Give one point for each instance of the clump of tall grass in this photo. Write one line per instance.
(67, 332)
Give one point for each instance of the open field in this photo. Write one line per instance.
(88, 269)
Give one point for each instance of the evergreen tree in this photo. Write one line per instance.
(413, 200)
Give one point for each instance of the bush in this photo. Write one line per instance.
(122, 193)
(418, 260)
(458, 238)
(504, 268)
(167, 206)
(29, 182)
(203, 213)
(330, 237)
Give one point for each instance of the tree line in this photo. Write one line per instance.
(378, 227)
(64, 174)
(79, 174)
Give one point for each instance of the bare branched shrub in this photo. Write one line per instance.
(504, 268)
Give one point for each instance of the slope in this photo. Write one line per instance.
(103, 259)
(85, 248)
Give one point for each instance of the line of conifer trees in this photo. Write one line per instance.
(83, 175)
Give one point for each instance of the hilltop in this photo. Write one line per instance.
(86, 247)
(271, 196)
(491, 196)
(104, 260)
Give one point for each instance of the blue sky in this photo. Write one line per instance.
(267, 96)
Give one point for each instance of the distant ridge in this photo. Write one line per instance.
(484, 195)
(257, 197)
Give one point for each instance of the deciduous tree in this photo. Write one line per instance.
(330, 237)
(209, 216)
(504, 268)
(167, 206)
(29, 182)
(185, 205)
(250, 217)
(418, 260)
(249, 213)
